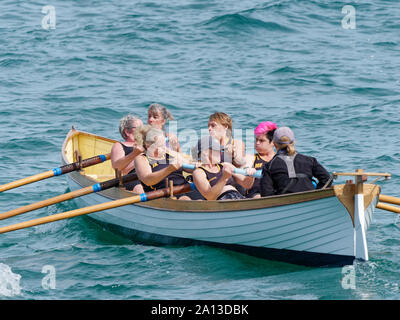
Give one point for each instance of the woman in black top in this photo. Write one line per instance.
(215, 180)
(124, 153)
(264, 146)
(156, 164)
(289, 171)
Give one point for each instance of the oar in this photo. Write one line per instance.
(258, 173)
(389, 199)
(100, 207)
(387, 207)
(67, 196)
(56, 172)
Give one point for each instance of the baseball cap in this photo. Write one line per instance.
(283, 135)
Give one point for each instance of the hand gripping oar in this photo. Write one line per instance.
(258, 173)
(56, 172)
(100, 207)
(70, 195)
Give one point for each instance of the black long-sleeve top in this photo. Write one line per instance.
(275, 177)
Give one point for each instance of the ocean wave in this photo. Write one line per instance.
(285, 70)
(385, 43)
(28, 143)
(12, 62)
(374, 91)
(239, 22)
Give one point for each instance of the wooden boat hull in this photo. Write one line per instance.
(311, 228)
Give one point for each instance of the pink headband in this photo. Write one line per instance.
(265, 127)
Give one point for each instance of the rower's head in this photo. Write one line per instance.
(158, 115)
(220, 125)
(152, 139)
(284, 139)
(264, 134)
(207, 150)
(128, 125)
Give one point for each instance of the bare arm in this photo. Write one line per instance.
(204, 187)
(174, 142)
(121, 162)
(150, 178)
(246, 181)
(238, 150)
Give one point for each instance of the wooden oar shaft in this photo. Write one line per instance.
(387, 207)
(68, 196)
(55, 172)
(47, 202)
(98, 207)
(24, 181)
(389, 199)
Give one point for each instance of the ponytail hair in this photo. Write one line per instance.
(290, 148)
(156, 107)
(146, 135)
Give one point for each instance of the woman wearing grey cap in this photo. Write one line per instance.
(289, 171)
(215, 180)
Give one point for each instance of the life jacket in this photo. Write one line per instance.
(293, 175)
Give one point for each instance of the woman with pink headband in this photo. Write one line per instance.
(264, 153)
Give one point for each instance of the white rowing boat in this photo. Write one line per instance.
(314, 228)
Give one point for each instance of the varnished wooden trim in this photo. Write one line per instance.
(345, 193)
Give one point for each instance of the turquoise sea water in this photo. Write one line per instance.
(292, 62)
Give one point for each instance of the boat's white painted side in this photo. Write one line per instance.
(321, 226)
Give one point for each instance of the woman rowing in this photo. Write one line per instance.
(213, 179)
(124, 153)
(233, 150)
(157, 117)
(156, 165)
(290, 171)
(264, 146)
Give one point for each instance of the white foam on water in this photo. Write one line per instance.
(9, 282)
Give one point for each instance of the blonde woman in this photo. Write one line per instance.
(155, 164)
(157, 117)
(289, 171)
(233, 150)
(213, 179)
(124, 153)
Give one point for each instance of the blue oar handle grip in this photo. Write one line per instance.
(188, 166)
(258, 173)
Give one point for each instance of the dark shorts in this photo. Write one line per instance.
(231, 195)
(130, 185)
(195, 195)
